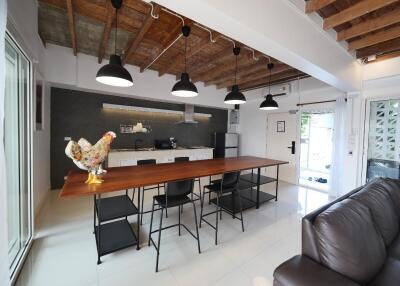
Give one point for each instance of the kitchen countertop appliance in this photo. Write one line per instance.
(170, 143)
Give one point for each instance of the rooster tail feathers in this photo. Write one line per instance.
(73, 150)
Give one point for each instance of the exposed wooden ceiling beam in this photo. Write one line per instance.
(168, 40)
(225, 68)
(251, 67)
(96, 12)
(106, 31)
(355, 11)
(71, 24)
(210, 62)
(381, 48)
(375, 38)
(255, 76)
(135, 42)
(191, 52)
(315, 5)
(264, 80)
(387, 56)
(368, 26)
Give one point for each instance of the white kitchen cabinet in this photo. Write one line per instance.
(130, 157)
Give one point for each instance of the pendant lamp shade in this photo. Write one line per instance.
(184, 87)
(235, 96)
(114, 73)
(269, 103)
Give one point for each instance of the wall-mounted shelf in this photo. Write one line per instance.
(152, 110)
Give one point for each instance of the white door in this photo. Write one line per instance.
(282, 129)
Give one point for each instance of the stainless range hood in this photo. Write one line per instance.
(188, 115)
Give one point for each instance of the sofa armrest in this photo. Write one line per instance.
(303, 271)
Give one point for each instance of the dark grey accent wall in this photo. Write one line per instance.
(79, 114)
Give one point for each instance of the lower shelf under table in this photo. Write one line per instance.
(115, 236)
(249, 199)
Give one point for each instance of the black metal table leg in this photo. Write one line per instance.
(94, 214)
(277, 183)
(139, 216)
(258, 188)
(98, 231)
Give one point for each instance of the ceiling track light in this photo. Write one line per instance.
(184, 87)
(114, 73)
(235, 96)
(269, 103)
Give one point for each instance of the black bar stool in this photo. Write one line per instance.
(227, 187)
(186, 159)
(139, 163)
(176, 195)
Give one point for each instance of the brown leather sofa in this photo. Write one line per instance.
(354, 240)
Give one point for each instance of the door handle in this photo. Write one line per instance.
(293, 147)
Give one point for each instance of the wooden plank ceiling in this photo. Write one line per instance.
(88, 26)
(370, 27)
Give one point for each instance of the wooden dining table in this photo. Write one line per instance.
(129, 177)
(119, 234)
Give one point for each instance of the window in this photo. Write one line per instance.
(383, 139)
(17, 142)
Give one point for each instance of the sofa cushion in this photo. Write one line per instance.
(393, 188)
(349, 242)
(389, 274)
(377, 199)
(394, 249)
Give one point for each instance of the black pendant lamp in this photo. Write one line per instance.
(235, 96)
(184, 87)
(114, 73)
(269, 103)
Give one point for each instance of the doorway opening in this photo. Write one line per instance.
(316, 135)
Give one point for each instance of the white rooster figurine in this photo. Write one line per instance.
(90, 157)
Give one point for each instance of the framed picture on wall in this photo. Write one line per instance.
(280, 126)
(39, 90)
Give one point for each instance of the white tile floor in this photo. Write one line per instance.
(64, 252)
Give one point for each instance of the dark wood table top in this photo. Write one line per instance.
(121, 178)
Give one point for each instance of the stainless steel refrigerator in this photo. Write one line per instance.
(226, 145)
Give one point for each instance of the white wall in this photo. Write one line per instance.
(253, 121)
(41, 155)
(62, 68)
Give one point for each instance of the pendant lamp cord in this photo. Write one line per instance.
(185, 52)
(235, 67)
(269, 81)
(116, 31)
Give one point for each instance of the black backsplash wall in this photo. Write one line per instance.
(79, 114)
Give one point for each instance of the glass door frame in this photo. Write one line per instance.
(367, 116)
(16, 266)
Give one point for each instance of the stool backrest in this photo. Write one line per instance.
(181, 159)
(179, 188)
(146, 161)
(230, 180)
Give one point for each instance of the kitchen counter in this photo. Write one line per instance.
(154, 149)
(129, 157)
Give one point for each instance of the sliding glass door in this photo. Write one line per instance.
(17, 142)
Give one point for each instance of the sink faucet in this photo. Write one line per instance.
(136, 142)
